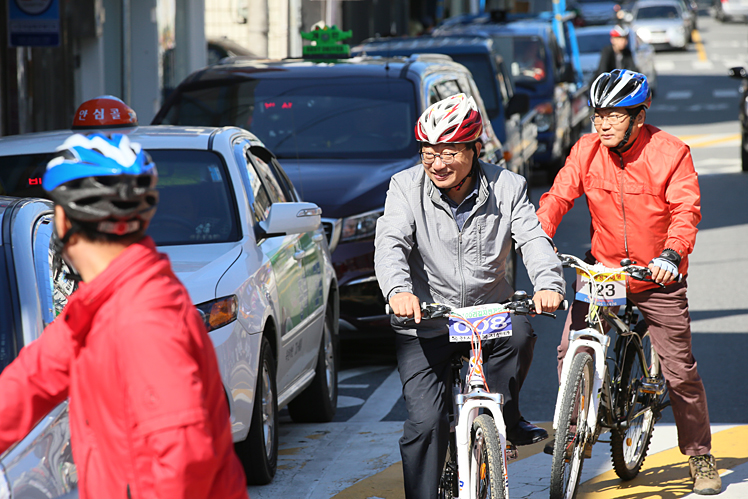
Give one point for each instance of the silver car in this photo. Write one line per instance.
(254, 259)
(662, 23)
(592, 40)
(726, 10)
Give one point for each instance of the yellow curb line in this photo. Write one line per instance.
(712, 142)
(665, 474)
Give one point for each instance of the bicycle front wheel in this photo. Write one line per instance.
(568, 452)
(629, 444)
(486, 459)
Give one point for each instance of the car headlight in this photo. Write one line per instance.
(644, 33)
(361, 226)
(217, 313)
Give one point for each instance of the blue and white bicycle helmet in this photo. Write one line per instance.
(620, 88)
(105, 181)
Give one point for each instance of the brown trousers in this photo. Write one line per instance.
(666, 313)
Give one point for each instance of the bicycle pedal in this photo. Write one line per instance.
(511, 452)
(652, 386)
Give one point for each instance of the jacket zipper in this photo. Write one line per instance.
(623, 211)
(128, 492)
(459, 265)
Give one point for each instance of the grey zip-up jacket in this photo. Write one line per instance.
(419, 249)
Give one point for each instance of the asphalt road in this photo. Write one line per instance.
(356, 456)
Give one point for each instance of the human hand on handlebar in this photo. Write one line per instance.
(546, 300)
(664, 268)
(406, 305)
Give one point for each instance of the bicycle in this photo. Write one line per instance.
(476, 462)
(627, 402)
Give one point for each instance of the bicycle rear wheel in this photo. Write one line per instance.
(568, 452)
(629, 445)
(486, 455)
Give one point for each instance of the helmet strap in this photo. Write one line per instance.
(622, 145)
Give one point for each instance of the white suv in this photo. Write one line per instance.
(254, 259)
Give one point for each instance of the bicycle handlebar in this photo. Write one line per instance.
(520, 305)
(627, 266)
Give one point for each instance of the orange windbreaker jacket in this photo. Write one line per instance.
(148, 412)
(640, 203)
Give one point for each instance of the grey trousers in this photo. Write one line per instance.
(665, 310)
(425, 372)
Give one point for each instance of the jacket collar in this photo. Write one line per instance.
(645, 134)
(434, 193)
(138, 258)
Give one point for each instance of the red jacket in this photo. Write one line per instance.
(148, 412)
(638, 208)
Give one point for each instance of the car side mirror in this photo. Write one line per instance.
(289, 218)
(518, 104)
(737, 72)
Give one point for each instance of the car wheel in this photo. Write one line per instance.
(259, 452)
(744, 152)
(317, 404)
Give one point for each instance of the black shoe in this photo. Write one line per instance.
(526, 433)
(548, 449)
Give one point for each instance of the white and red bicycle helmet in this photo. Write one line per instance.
(451, 120)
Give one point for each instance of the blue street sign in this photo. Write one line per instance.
(34, 23)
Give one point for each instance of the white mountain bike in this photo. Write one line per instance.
(477, 455)
(624, 395)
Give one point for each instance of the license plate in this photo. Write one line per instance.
(489, 321)
(605, 289)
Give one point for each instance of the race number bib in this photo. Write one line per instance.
(489, 321)
(605, 290)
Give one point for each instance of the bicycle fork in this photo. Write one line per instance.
(468, 406)
(578, 340)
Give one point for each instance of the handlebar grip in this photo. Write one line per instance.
(387, 309)
(564, 305)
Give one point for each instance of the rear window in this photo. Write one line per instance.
(485, 78)
(592, 43)
(344, 118)
(196, 202)
(658, 12)
(527, 56)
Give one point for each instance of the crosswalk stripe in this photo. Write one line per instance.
(671, 468)
(380, 403)
(679, 94)
(725, 93)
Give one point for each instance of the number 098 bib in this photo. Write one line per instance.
(604, 289)
(489, 321)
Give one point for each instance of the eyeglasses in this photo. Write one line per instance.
(613, 119)
(447, 157)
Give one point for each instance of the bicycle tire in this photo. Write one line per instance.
(628, 447)
(487, 454)
(448, 481)
(568, 451)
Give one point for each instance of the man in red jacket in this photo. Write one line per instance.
(148, 413)
(644, 201)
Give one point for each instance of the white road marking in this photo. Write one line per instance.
(664, 65)
(380, 403)
(679, 94)
(728, 93)
(353, 385)
(702, 64)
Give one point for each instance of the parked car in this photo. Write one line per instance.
(592, 40)
(343, 128)
(252, 256)
(726, 10)
(596, 12)
(742, 74)
(509, 112)
(661, 23)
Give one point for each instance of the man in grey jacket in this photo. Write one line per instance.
(445, 236)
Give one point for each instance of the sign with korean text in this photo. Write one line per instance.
(604, 289)
(488, 321)
(34, 23)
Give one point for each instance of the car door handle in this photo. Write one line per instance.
(317, 238)
(299, 254)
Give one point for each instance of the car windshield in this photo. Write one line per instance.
(196, 204)
(658, 12)
(7, 341)
(347, 118)
(592, 43)
(527, 56)
(484, 76)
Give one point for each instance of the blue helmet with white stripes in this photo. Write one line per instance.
(108, 181)
(620, 88)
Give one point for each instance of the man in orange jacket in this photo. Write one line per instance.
(148, 412)
(644, 201)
